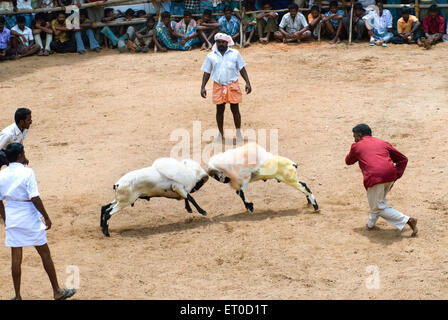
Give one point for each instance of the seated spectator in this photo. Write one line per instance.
(358, 26)
(147, 37)
(293, 27)
(186, 31)
(220, 7)
(379, 25)
(111, 33)
(433, 26)
(24, 44)
(25, 5)
(249, 22)
(230, 24)
(6, 52)
(128, 30)
(166, 33)
(85, 34)
(314, 19)
(266, 23)
(207, 28)
(192, 6)
(41, 27)
(408, 28)
(332, 22)
(63, 41)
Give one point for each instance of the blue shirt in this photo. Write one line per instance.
(334, 22)
(229, 27)
(4, 38)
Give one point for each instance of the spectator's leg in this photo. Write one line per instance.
(38, 40)
(48, 40)
(79, 43)
(92, 41)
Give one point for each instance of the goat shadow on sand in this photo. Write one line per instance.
(383, 235)
(139, 231)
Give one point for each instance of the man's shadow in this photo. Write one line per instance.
(382, 235)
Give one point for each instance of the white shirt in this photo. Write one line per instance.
(27, 33)
(24, 5)
(295, 25)
(224, 69)
(381, 24)
(12, 134)
(18, 183)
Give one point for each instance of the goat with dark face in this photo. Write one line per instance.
(167, 177)
(251, 163)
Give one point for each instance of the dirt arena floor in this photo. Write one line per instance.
(98, 116)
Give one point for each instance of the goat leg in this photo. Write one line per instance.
(193, 202)
(187, 206)
(249, 205)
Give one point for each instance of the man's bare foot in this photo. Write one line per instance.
(204, 46)
(246, 44)
(413, 224)
(264, 40)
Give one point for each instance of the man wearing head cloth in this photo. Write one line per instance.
(225, 66)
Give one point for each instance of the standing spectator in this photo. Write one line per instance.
(63, 41)
(379, 25)
(17, 131)
(25, 5)
(96, 14)
(41, 27)
(266, 22)
(381, 165)
(186, 31)
(230, 24)
(293, 27)
(359, 26)
(24, 44)
(166, 33)
(207, 28)
(22, 214)
(225, 66)
(433, 26)
(408, 28)
(333, 22)
(48, 4)
(6, 52)
(85, 34)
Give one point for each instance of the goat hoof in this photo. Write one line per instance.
(237, 192)
(316, 207)
(250, 206)
(106, 232)
(204, 213)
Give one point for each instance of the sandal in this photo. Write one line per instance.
(67, 294)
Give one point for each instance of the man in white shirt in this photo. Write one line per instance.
(378, 24)
(293, 26)
(225, 65)
(24, 45)
(17, 131)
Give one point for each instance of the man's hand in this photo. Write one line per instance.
(203, 93)
(248, 88)
(47, 223)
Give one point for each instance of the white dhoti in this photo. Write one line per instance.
(23, 225)
(379, 208)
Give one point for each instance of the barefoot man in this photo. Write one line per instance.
(225, 65)
(381, 165)
(22, 213)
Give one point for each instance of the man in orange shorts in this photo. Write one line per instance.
(225, 65)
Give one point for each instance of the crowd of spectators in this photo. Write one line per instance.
(44, 33)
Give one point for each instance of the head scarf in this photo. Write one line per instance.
(225, 37)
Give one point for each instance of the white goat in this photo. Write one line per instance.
(167, 177)
(250, 163)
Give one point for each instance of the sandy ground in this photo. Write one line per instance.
(99, 116)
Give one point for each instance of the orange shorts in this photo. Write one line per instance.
(227, 94)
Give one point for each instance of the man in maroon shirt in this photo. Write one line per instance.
(381, 164)
(434, 26)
